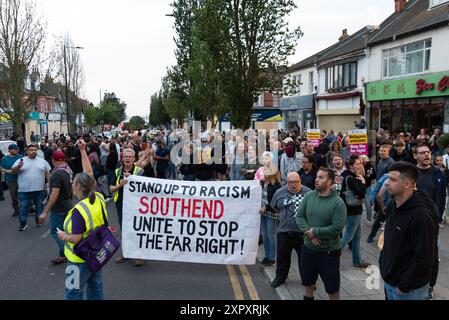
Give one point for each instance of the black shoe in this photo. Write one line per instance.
(277, 282)
(269, 263)
(15, 214)
(23, 228)
(37, 225)
(59, 260)
(2, 198)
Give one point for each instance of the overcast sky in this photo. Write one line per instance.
(129, 44)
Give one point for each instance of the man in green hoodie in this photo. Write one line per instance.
(321, 217)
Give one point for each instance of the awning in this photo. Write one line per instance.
(339, 96)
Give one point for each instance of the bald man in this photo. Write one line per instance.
(287, 200)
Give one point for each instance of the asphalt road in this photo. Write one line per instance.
(26, 271)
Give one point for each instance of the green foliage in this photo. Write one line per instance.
(443, 141)
(233, 50)
(92, 116)
(111, 98)
(158, 114)
(175, 107)
(136, 123)
(110, 113)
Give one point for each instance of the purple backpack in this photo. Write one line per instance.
(99, 246)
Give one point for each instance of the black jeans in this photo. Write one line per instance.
(380, 217)
(286, 243)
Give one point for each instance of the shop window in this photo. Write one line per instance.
(374, 119)
(436, 117)
(396, 124)
(385, 118)
(407, 119)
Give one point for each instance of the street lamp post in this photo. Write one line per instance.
(67, 100)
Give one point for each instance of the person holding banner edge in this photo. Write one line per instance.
(128, 168)
(85, 216)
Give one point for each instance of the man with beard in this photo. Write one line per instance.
(33, 171)
(59, 201)
(116, 186)
(408, 254)
(432, 181)
(73, 157)
(47, 151)
(321, 217)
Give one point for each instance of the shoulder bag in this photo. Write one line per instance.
(350, 198)
(98, 247)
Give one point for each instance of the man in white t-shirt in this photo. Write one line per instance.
(104, 152)
(33, 171)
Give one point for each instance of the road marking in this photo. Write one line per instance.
(238, 294)
(45, 235)
(249, 283)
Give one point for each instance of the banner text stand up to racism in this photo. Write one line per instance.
(203, 222)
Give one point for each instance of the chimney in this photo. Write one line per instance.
(399, 5)
(344, 35)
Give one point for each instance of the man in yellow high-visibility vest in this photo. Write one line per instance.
(117, 184)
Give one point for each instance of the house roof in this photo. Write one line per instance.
(416, 17)
(351, 44)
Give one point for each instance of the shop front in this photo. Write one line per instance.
(409, 104)
(266, 119)
(298, 113)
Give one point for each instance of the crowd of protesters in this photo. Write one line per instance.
(314, 201)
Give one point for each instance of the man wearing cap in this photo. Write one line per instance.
(32, 172)
(59, 201)
(11, 179)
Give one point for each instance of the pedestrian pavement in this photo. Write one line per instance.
(356, 284)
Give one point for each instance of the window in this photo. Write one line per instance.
(311, 84)
(408, 59)
(434, 3)
(341, 77)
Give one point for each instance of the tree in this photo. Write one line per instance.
(22, 35)
(175, 107)
(111, 98)
(255, 44)
(158, 114)
(136, 123)
(110, 113)
(92, 116)
(72, 76)
(206, 94)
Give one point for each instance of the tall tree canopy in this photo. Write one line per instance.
(22, 35)
(232, 49)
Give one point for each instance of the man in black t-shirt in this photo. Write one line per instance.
(59, 201)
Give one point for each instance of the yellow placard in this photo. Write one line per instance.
(358, 138)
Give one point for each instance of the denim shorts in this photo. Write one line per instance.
(324, 264)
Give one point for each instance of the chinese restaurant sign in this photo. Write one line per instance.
(433, 85)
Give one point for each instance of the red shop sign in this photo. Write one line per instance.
(422, 85)
(443, 84)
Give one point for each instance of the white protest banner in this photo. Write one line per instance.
(203, 222)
